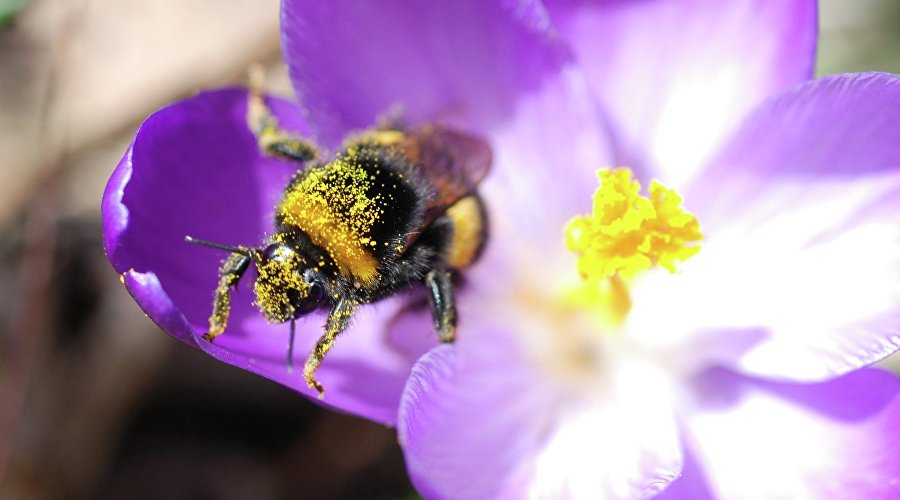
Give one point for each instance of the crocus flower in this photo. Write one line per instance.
(741, 374)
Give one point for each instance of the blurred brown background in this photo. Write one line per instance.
(95, 401)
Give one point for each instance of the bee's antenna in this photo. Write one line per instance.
(204, 243)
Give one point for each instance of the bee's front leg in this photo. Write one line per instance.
(271, 139)
(229, 274)
(338, 320)
(443, 303)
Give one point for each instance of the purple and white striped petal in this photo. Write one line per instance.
(464, 62)
(837, 439)
(803, 244)
(676, 76)
(478, 420)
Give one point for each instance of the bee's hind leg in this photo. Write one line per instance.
(338, 320)
(443, 303)
(271, 139)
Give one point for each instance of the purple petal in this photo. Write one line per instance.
(803, 244)
(462, 61)
(147, 291)
(544, 173)
(838, 439)
(691, 485)
(194, 169)
(479, 420)
(675, 76)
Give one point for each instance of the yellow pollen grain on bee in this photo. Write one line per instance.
(332, 205)
(276, 277)
(625, 234)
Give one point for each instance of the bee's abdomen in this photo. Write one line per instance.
(469, 232)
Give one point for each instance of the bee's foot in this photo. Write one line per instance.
(314, 384)
(447, 335)
(208, 337)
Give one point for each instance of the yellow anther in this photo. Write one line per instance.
(628, 233)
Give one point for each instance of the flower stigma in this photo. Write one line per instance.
(626, 234)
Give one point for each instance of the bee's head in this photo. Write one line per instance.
(287, 287)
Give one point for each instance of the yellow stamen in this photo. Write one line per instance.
(628, 233)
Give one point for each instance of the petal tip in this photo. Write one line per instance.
(114, 213)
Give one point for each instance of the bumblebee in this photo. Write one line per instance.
(392, 210)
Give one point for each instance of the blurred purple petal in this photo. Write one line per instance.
(838, 439)
(461, 440)
(194, 169)
(542, 176)
(804, 241)
(464, 61)
(841, 127)
(469, 433)
(691, 485)
(675, 76)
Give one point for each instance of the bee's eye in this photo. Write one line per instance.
(310, 301)
(316, 292)
(278, 252)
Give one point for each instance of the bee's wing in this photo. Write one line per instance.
(452, 162)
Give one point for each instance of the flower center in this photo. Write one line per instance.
(626, 234)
